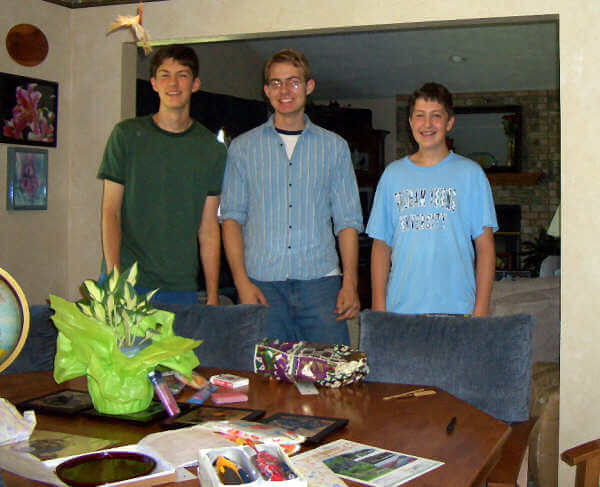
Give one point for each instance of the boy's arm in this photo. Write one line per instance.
(347, 305)
(380, 270)
(233, 241)
(209, 238)
(112, 200)
(485, 271)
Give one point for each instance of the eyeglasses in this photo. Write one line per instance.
(291, 83)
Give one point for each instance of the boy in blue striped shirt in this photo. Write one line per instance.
(289, 188)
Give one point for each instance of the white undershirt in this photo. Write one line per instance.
(289, 141)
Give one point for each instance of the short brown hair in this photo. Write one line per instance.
(288, 56)
(432, 91)
(184, 55)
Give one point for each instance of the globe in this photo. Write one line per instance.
(14, 319)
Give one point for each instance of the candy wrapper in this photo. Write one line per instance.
(13, 426)
(325, 365)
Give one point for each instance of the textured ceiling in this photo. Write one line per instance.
(94, 3)
(380, 64)
(512, 57)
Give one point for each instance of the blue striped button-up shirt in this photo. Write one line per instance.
(290, 208)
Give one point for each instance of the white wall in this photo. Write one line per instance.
(33, 244)
(94, 102)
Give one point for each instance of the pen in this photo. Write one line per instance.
(451, 424)
(415, 393)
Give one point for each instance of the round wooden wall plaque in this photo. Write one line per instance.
(27, 44)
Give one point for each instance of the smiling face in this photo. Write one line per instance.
(174, 84)
(430, 123)
(287, 90)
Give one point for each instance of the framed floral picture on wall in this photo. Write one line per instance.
(28, 110)
(27, 179)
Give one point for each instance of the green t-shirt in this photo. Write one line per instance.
(167, 177)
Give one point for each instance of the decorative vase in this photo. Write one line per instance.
(115, 393)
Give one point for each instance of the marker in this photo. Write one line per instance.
(450, 427)
(202, 395)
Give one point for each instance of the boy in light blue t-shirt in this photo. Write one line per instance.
(432, 222)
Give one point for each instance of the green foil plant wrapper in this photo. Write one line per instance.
(93, 333)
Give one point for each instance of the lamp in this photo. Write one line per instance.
(554, 227)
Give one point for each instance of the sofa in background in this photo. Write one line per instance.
(539, 297)
(229, 334)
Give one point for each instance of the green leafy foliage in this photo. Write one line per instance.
(536, 250)
(92, 332)
(116, 303)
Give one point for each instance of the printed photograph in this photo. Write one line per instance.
(314, 428)
(27, 179)
(153, 412)
(367, 464)
(204, 413)
(28, 110)
(65, 402)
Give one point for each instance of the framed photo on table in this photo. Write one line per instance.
(28, 110)
(193, 415)
(313, 428)
(153, 412)
(27, 179)
(67, 401)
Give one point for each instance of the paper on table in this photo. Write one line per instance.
(13, 426)
(180, 447)
(315, 471)
(28, 466)
(366, 464)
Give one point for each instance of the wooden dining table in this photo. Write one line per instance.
(414, 425)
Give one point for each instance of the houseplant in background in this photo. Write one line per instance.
(115, 337)
(536, 250)
(510, 123)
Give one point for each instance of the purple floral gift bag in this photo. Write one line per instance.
(324, 364)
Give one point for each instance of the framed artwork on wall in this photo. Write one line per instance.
(27, 179)
(28, 110)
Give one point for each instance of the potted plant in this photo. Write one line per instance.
(536, 250)
(115, 337)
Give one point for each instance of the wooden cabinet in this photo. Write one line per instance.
(367, 149)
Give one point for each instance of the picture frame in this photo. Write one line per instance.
(196, 414)
(27, 179)
(28, 110)
(153, 412)
(65, 401)
(313, 428)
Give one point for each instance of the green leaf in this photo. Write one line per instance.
(149, 296)
(132, 274)
(85, 309)
(94, 291)
(98, 311)
(112, 280)
(110, 305)
(130, 296)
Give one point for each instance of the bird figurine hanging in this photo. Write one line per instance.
(135, 23)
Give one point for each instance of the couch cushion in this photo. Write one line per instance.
(229, 333)
(40, 346)
(539, 298)
(483, 361)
